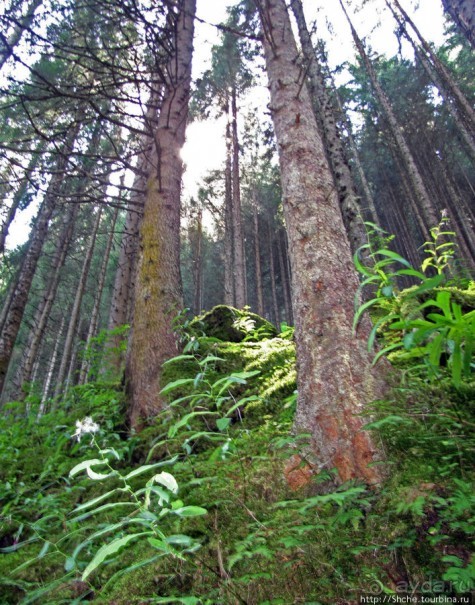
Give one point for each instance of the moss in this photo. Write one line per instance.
(233, 325)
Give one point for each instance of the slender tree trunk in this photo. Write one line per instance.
(273, 289)
(38, 235)
(51, 367)
(257, 254)
(238, 243)
(8, 44)
(371, 206)
(335, 378)
(43, 312)
(349, 200)
(463, 13)
(423, 199)
(442, 79)
(18, 197)
(228, 221)
(158, 290)
(465, 107)
(94, 320)
(284, 279)
(74, 317)
(198, 266)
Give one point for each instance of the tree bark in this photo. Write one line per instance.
(238, 235)
(335, 378)
(349, 200)
(228, 222)
(158, 290)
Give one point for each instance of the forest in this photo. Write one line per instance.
(251, 383)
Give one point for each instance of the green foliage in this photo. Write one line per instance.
(125, 534)
(428, 323)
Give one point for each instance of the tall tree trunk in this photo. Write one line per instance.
(335, 377)
(74, 316)
(463, 13)
(349, 200)
(18, 196)
(198, 266)
(94, 320)
(51, 367)
(257, 254)
(423, 199)
(273, 289)
(455, 101)
(238, 243)
(43, 312)
(284, 277)
(228, 221)
(371, 206)
(17, 307)
(8, 44)
(158, 289)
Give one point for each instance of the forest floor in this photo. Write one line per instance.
(213, 501)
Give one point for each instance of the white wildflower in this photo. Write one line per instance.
(84, 427)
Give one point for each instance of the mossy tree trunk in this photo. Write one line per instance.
(335, 378)
(158, 289)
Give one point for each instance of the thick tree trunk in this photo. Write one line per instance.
(323, 105)
(74, 316)
(335, 378)
(463, 13)
(239, 268)
(423, 199)
(158, 290)
(17, 307)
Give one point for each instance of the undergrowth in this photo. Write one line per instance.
(201, 508)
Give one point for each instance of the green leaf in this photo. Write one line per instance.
(363, 308)
(175, 384)
(395, 257)
(110, 549)
(147, 467)
(86, 464)
(179, 358)
(190, 511)
(223, 423)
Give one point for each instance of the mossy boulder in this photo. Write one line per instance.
(233, 325)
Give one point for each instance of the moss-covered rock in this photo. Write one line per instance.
(233, 325)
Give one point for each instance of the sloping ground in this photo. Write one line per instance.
(197, 509)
